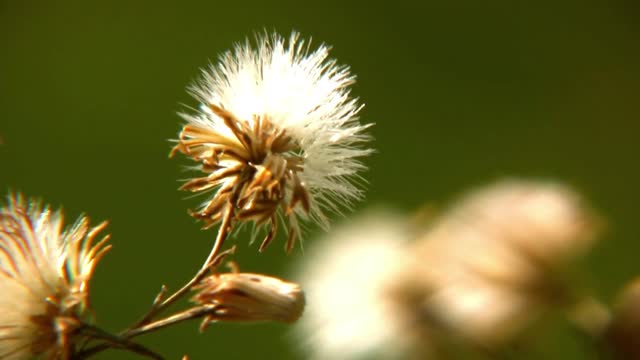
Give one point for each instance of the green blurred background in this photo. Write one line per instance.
(462, 92)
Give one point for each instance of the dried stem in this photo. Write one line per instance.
(123, 340)
(111, 341)
(159, 304)
(189, 314)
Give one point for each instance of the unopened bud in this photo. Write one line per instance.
(250, 297)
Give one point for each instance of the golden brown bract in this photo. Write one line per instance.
(54, 331)
(254, 172)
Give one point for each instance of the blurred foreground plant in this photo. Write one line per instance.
(477, 278)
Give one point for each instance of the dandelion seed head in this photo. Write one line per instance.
(44, 276)
(277, 128)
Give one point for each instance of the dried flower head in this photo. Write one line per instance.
(488, 266)
(44, 278)
(277, 136)
(346, 276)
(250, 297)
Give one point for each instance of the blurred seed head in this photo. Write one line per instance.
(277, 136)
(478, 274)
(486, 268)
(346, 276)
(622, 334)
(44, 278)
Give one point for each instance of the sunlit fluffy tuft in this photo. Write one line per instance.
(278, 119)
(44, 276)
(346, 277)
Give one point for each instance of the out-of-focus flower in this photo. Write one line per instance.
(621, 335)
(44, 278)
(486, 268)
(479, 274)
(346, 276)
(277, 129)
(247, 297)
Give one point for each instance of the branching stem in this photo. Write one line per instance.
(161, 303)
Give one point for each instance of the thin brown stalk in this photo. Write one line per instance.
(111, 341)
(159, 304)
(193, 313)
(123, 340)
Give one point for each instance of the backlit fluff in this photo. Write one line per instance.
(347, 276)
(44, 275)
(277, 129)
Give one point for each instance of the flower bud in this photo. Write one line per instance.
(250, 297)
